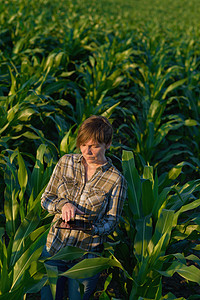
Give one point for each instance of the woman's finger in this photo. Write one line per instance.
(69, 211)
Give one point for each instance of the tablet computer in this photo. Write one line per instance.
(74, 225)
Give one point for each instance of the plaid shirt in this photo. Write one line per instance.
(101, 199)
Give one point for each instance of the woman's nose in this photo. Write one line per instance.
(88, 150)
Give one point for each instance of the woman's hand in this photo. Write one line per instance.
(69, 211)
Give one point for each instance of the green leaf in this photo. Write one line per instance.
(52, 272)
(173, 86)
(190, 273)
(30, 135)
(191, 122)
(107, 113)
(150, 136)
(157, 201)
(30, 255)
(34, 277)
(11, 209)
(35, 284)
(104, 296)
(68, 142)
(25, 114)
(160, 240)
(22, 175)
(68, 253)
(27, 226)
(184, 208)
(35, 205)
(13, 295)
(175, 171)
(163, 225)
(13, 83)
(5, 281)
(147, 197)
(37, 174)
(194, 259)
(148, 173)
(143, 236)
(170, 296)
(89, 267)
(23, 179)
(108, 281)
(34, 235)
(134, 184)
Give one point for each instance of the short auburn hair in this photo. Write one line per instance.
(96, 128)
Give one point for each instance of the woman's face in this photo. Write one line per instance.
(94, 152)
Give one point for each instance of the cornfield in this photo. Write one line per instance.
(138, 64)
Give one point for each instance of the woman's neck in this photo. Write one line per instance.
(90, 169)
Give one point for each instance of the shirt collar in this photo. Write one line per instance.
(107, 165)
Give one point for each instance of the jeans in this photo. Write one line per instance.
(73, 284)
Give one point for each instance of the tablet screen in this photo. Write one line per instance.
(74, 225)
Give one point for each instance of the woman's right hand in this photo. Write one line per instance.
(69, 211)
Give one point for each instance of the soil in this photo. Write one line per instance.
(178, 286)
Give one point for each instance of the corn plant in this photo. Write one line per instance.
(161, 89)
(146, 79)
(24, 233)
(24, 187)
(151, 218)
(19, 267)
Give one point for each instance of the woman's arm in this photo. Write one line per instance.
(49, 199)
(110, 220)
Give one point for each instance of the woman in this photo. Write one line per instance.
(84, 185)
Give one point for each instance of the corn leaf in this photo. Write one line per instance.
(92, 266)
(30, 255)
(173, 86)
(134, 184)
(52, 273)
(147, 197)
(37, 174)
(26, 227)
(68, 253)
(188, 272)
(143, 236)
